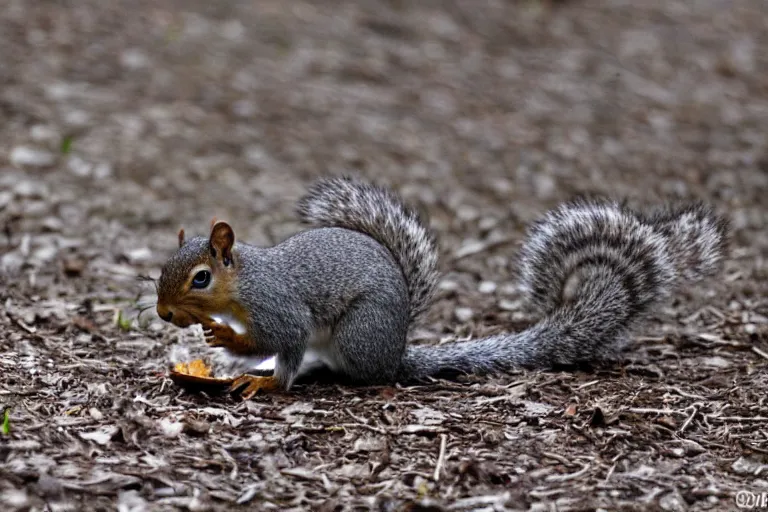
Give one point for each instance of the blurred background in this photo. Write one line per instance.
(127, 119)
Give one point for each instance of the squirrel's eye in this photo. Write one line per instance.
(201, 279)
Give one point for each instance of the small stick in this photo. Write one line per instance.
(688, 420)
(643, 410)
(569, 476)
(737, 418)
(587, 384)
(759, 352)
(356, 418)
(685, 394)
(20, 323)
(440, 457)
(558, 458)
(232, 474)
(365, 426)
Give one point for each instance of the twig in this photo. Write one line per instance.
(303, 474)
(558, 458)
(643, 410)
(569, 476)
(759, 352)
(717, 340)
(420, 429)
(688, 420)
(20, 323)
(719, 314)
(754, 448)
(686, 394)
(477, 247)
(587, 384)
(232, 474)
(486, 401)
(363, 425)
(440, 457)
(737, 418)
(356, 418)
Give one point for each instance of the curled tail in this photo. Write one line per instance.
(653, 252)
(593, 269)
(378, 212)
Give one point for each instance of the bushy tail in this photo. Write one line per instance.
(378, 212)
(593, 269)
(698, 237)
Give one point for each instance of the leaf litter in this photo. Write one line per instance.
(485, 116)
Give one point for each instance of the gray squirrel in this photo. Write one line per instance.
(343, 294)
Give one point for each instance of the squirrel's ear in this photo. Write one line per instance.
(221, 242)
(181, 237)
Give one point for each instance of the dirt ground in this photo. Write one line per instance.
(123, 121)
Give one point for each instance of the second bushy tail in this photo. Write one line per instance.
(594, 270)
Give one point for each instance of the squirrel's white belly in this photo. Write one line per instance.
(237, 326)
(320, 352)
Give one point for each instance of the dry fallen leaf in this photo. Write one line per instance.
(73, 266)
(84, 324)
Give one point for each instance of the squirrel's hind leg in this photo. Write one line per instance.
(370, 340)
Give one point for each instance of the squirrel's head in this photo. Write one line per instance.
(198, 280)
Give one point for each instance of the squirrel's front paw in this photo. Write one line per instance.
(251, 384)
(218, 334)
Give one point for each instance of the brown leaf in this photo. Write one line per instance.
(84, 324)
(73, 266)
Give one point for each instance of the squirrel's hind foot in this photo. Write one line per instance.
(249, 385)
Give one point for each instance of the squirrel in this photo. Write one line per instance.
(342, 294)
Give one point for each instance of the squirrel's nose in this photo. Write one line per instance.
(164, 313)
